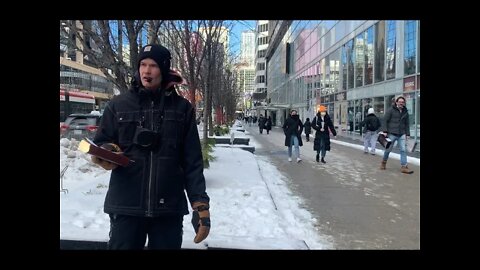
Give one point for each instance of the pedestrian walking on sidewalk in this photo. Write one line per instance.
(322, 123)
(268, 124)
(308, 129)
(371, 125)
(261, 123)
(293, 128)
(396, 127)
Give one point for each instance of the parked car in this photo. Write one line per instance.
(79, 126)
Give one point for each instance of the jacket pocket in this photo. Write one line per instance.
(127, 186)
(169, 184)
(174, 126)
(127, 124)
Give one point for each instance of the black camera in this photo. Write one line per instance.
(145, 138)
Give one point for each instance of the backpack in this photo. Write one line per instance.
(373, 124)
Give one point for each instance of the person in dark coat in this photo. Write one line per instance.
(397, 127)
(293, 128)
(261, 123)
(308, 128)
(268, 124)
(154, 127)
(322, 123)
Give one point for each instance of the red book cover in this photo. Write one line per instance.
(87, 146)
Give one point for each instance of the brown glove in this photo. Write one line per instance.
(200, 220)
(106, 164)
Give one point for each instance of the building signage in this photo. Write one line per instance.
(340, 96)
(409, 84)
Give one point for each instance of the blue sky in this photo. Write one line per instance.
(236, 34)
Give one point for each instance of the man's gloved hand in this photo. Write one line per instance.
(200, 220)
(106, 164)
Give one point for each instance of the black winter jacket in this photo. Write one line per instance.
(293, 126)
(308, 127)
(325, 134)
(154, 183)
(396, 122)
(371, 121)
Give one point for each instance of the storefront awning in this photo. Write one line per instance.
(98, 95)
(279, 106)
(259, 96)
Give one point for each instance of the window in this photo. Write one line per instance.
(350, 61)
(359, 59)
(263, 28)
(261, 53)
(369, 57)
(410, 56)
(262, 40)
(261, 79)
(391, 40)
(379, 51)
(260, 66)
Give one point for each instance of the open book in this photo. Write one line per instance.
(384, 140)
(88, 146)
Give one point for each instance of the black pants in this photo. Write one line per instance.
(130, 232)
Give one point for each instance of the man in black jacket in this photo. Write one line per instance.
(154, 127)
(397, 127)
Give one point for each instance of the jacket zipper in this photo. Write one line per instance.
(149, 211)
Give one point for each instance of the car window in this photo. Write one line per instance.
(79, 122)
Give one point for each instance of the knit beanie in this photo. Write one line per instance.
(159, 54)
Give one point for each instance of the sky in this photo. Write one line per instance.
(236, 34)
(251, 205)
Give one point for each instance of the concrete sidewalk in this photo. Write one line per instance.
(359, 205)
(354, 138)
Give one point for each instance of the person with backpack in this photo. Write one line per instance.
(371, 124)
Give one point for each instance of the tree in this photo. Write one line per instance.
(211, 33)
(190, 52)
(102, 43)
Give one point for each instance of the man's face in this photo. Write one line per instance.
(150, 74)
(401, 103)
(293, 113)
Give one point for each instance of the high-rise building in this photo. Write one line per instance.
(223, 39)
(247, 47)
(261, 43)
(246, 69)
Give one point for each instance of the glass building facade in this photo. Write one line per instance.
(348, 66)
